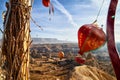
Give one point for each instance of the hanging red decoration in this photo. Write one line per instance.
(46, 3)
(90, 37)
(79, 60)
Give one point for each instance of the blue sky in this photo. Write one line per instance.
(69, 15)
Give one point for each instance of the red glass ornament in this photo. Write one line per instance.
(46, 3)
(90, 37)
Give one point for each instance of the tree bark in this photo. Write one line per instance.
(16, 39)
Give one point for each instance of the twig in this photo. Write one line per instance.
(36, 23)
(1, 31)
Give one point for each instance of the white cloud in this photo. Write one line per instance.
(82, 6)
(61, 8)
(98, 3)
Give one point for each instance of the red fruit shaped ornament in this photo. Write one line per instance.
(90, 37)
(46, 3)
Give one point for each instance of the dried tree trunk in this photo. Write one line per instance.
(16, 39)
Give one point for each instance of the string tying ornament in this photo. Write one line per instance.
(90, 37)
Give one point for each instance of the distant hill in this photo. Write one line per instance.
(48, 41)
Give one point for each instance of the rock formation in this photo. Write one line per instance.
(89, 73)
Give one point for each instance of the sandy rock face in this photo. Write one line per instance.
(89, 73)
